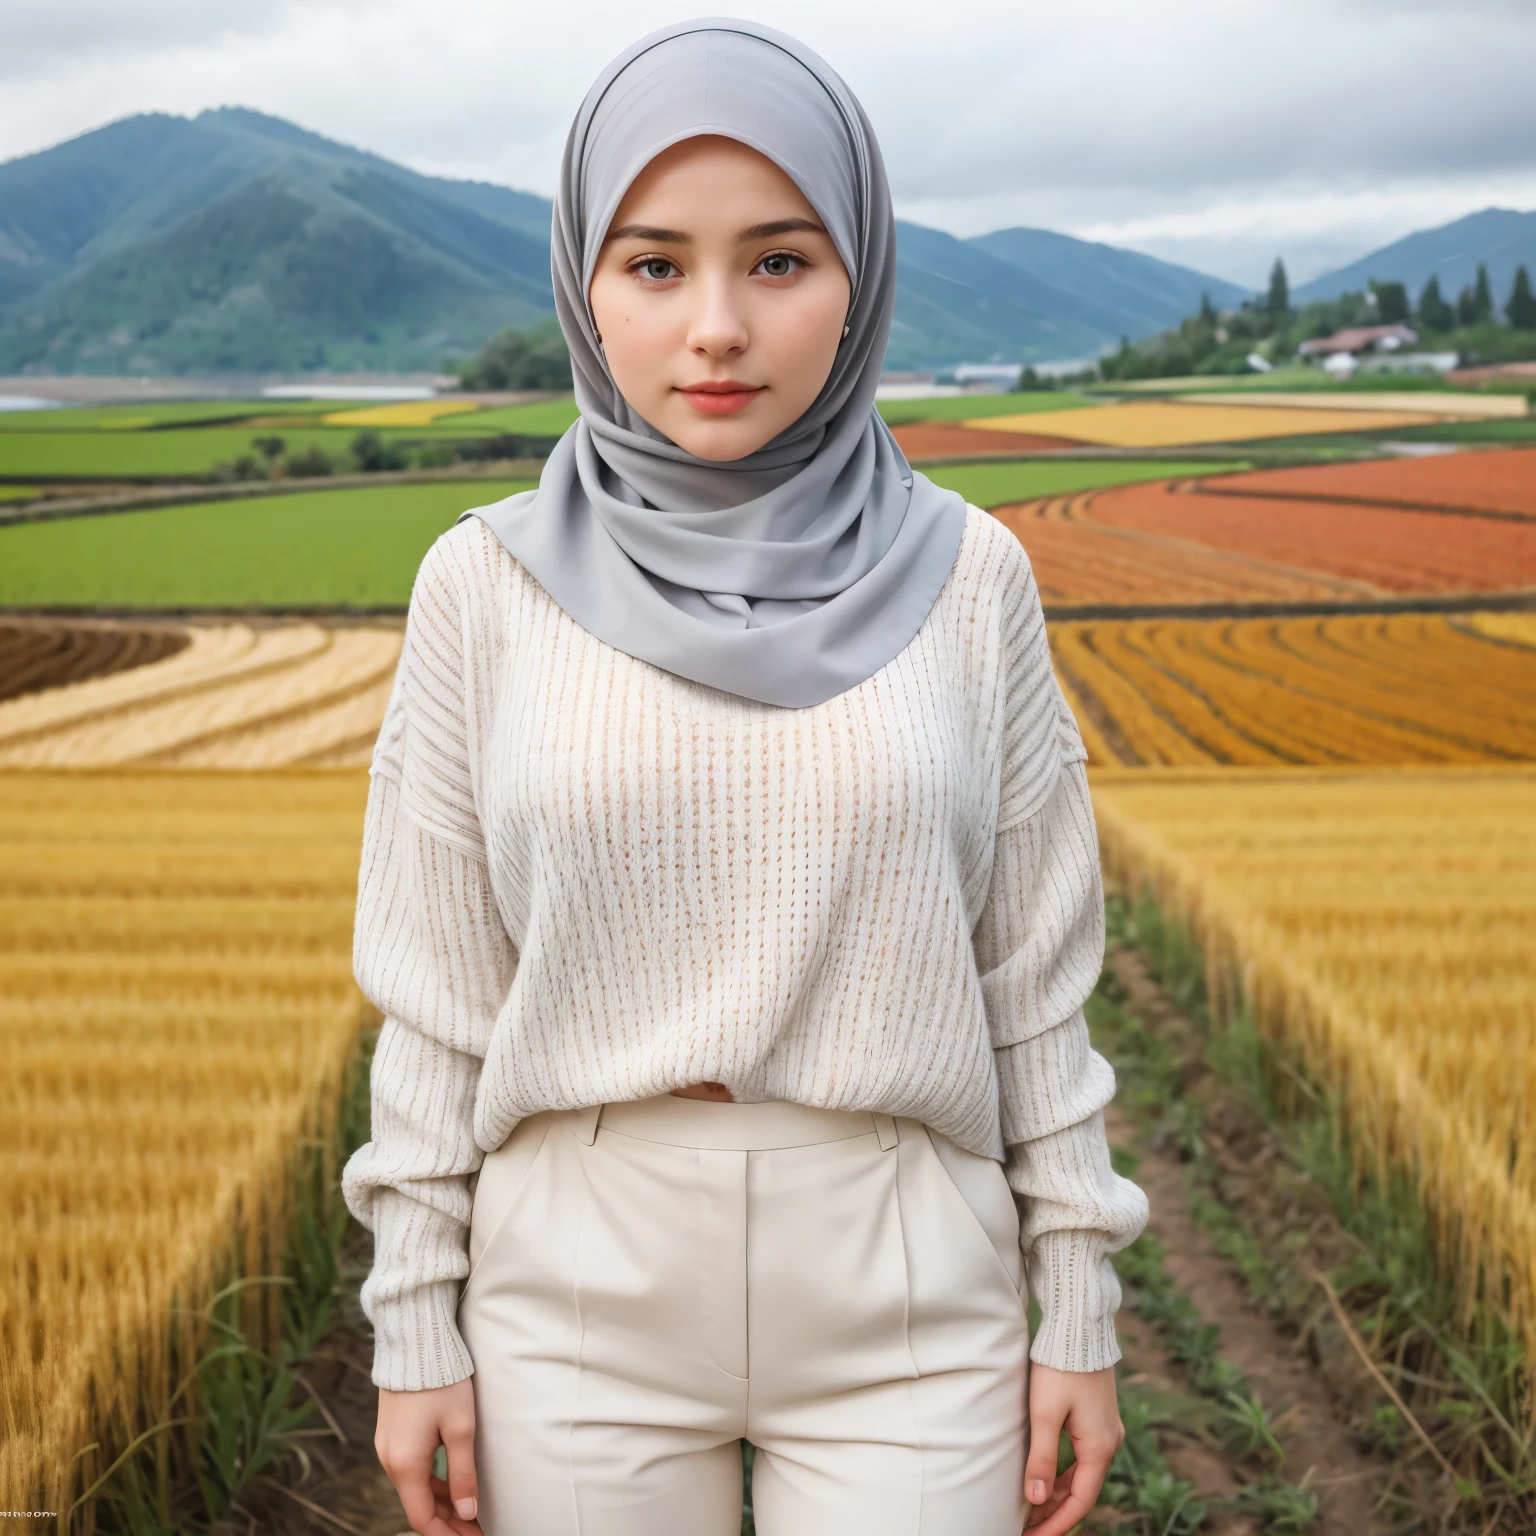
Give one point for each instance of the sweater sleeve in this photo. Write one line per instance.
(431, 952)
(1040, 947)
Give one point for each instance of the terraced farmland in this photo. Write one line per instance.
(1372, 689)
(34, 656)
(235, 697)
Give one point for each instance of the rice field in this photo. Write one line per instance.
(1170, 424)
(355, 548)
(1379, 924)
(1076, 562)
(993, 485)
(1373, 689)
(235, 696)
(1501, 481)
(1392, 549)
(176, 1012)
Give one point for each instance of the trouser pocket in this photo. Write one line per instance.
(982, 1188)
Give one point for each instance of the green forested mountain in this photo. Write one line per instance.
(233, 241)
(236, 242)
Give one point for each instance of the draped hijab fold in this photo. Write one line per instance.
(796, 572)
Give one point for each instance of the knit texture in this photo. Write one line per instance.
(586, 879)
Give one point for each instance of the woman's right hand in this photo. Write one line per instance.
(411, 1427)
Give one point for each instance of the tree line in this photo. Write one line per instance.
(1272, 326)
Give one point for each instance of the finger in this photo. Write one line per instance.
(419, 1502)
(1083, 1496)
(449, 1516)
(463, 1485)
(1044, 1449)
(1039, 1513)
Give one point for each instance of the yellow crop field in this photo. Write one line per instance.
(236, 697)
(1443, 402)
(1168, 424)
(177, 1011)
(1380, 924)
(1386, 689)
(404, 413)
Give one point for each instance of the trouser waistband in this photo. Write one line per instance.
(730, 1127)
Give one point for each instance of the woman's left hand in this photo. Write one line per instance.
(1085, 1403)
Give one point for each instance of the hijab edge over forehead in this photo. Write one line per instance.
(759, 598)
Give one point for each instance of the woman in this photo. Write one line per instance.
(730, 893)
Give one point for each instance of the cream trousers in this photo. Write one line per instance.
(651, 1282)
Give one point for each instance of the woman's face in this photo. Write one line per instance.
(719, 296)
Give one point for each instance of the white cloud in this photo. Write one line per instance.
(1209, 126)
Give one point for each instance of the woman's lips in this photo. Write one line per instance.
(716, 401)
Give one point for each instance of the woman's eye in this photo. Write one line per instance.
(779, 264)
(657, 268)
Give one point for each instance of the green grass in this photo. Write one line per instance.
(1513, 430)
(357, 547)
(544, 418)
(152, 414)
(966, 407)
(191, 452)
(994, 485)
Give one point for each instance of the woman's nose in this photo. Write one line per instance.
(718, 326)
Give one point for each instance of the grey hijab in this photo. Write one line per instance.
(798, 571)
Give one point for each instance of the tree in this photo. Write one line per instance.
(1482, 295)
(1434, 313)
(514, 359)
(1391, 302)
(373, 454)
(1207, 312)
(1466, 307)
(1521, 309)
(1279, 302)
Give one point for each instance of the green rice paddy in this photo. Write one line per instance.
(967, 407)
(997, 484)
(344, 548)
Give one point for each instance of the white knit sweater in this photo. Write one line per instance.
(587, 879)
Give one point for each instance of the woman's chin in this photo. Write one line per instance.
(720, 440)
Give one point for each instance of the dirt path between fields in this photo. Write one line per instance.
(1310, 1414)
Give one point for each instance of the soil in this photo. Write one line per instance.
(939, 440)
(37, 654)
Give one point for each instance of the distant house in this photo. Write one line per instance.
(983, 377)
(1358, 339)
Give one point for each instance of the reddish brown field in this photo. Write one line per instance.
(1075, 562)
(1388, 547)
(942, 439)
(1503, 480)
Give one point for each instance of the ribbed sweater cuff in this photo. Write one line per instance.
(417, 1344)
(1079, 1292)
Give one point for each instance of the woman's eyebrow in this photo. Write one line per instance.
(779, 227)
(650, 232)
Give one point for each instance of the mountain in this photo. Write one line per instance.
(1501, 237)
(238, 242)
(1138, 295)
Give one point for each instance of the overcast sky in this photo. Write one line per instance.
(1216, 132)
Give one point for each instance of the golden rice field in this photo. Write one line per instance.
(1169, 424)
(238, 696)
(1398, 688)
(404, 413)
(176, 1013)
(1380, 923)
